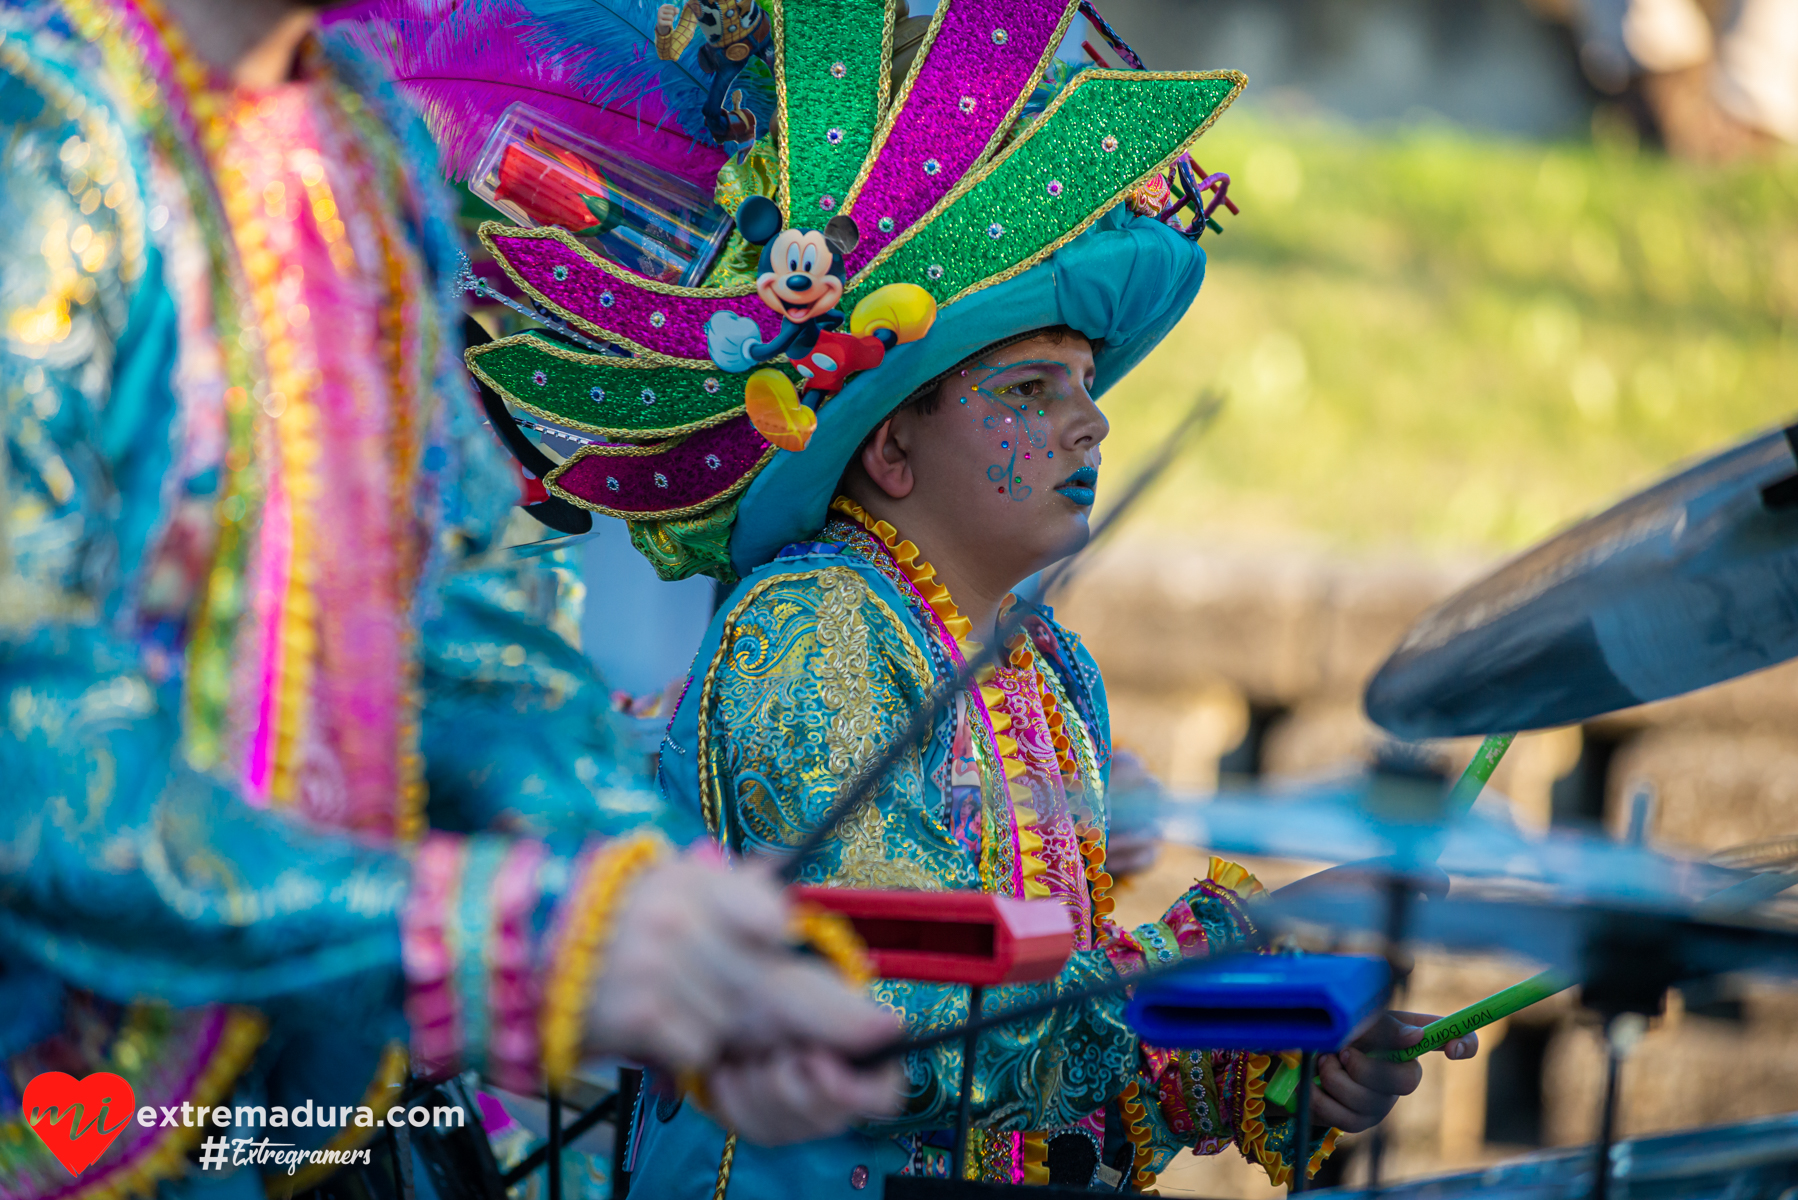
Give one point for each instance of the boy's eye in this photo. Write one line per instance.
(1026, 387)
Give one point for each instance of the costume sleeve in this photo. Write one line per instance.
(1205, 1100)
(813, 674)
(518, 732)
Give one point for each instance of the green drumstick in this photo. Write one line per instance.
(1440, 1033)
(1478, 774)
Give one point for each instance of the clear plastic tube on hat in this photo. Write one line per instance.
(540, 172)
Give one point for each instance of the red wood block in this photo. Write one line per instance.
(954, 937)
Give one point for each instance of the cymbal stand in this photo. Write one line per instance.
(1301, 1122)
(964, 1116)
(1398, 917)
(1621, 1034)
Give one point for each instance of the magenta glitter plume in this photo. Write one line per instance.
(464, 61)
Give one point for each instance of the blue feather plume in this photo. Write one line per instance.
(610, 45)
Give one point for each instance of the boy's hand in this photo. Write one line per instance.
(1355, 1090)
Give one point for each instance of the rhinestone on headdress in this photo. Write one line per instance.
(932, 166)
(1109, 144)
(1000, 37)
(885, 224)
(606, 299)
(711, 385)
(661, 480)
(649, 397)
(827, 202)
(833, 136)
(838, 70)
(612, 482)
(540, 378)
(658, 318)
(969, 104)
(1055, 187)
(934, 270)
(995, 230)
(713, 461)
(561, 273)
(596, 394)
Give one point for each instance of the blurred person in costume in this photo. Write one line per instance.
(955, 260)
(247, 666)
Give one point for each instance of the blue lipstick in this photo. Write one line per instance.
(1079, 486)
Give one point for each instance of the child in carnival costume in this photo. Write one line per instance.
(984, 260)
(291, 789)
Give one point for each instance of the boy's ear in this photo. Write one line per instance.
(758, 220)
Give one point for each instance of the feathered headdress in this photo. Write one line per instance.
(1003, 220)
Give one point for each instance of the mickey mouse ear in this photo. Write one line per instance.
(841, 232)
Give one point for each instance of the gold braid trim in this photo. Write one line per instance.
(390, 1074)
(724, 1164)
(591, 911)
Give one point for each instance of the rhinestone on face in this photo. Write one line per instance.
(1109, 144)
(1055, 187)
(838, 70)
(612, 482)
(540, 378)
(713, 461)
(649, 397)
(827, 202)
(932, 166)
(1000, 37)
(561, 273)
(969, 104)
(661, 480)
(711, 385)
(658, 318)
(934, 270)
(596, 394)
(606, 299)
(834, 136)
(995, 231)
(885, 224)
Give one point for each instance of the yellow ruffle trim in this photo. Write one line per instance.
(1036, 1160)
(591, 910)
(1234, 876)
(389, 1075)
(1254, 1129)
(238, 1041)
(1092, 849)
(922, 574)
(1136, 1131)
(923, 577)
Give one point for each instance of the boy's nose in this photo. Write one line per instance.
(799, 283)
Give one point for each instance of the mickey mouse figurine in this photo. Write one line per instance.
(801, 278)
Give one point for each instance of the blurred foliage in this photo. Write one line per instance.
(1437, 340)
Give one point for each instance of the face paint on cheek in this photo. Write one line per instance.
(1022, 425)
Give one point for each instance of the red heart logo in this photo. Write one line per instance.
(86, 1107)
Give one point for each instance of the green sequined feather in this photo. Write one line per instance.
(1106, 132)
(601, 394)
(834, 71)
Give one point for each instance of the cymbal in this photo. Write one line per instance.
(1689, 583)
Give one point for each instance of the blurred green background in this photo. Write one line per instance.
(1451, 342)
